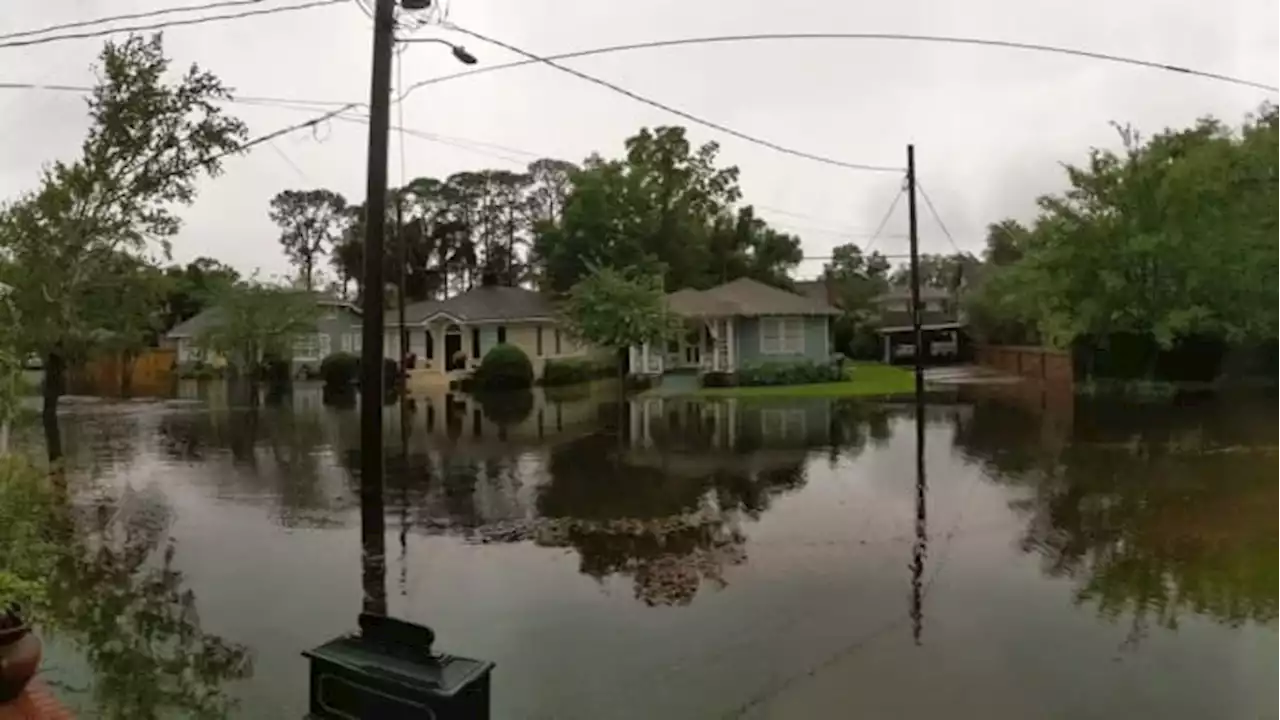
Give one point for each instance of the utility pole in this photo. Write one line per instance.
(372, 384)
(916, 332)
(404, 257)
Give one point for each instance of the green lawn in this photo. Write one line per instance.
(866, 379)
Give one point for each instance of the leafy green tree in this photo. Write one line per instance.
(151, 138)
(191, 288)
(617, 310)
(129, 311)
(310, 222)
(855, 280)
(257, 321)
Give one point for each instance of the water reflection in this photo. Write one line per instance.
(1156, 511)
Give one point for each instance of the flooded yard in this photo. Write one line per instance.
(664, 558)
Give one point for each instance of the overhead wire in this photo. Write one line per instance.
(884, 221)
(892, 37)
(170, 23)
(128, 16)
(673, 110)
(937, 218)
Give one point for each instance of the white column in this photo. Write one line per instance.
(729, 343)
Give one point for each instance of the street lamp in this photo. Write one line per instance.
(388, 669)
(459, 52)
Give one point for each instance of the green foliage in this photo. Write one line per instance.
(504, 367)
(151, 138)
(194, 287)
(340, 370)
(719, 380)
(1174, 236)
(256, 320)
(575, 370)
(666, 209)
(310, 222)
(799, 372)
(612, 309)
(28, 551)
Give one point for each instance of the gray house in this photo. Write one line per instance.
(337, 328)
(942, 321)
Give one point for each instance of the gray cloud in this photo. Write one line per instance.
(990, 125)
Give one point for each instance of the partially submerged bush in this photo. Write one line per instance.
(575, 370)
(800, 372)
(504, 367)
(340, 370)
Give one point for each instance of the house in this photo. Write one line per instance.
(821, 290)
(942, 321)
(450, 337)
(739, 322)
(337, 328)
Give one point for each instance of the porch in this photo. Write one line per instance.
(707, 345)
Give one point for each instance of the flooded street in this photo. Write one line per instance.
(668, 558)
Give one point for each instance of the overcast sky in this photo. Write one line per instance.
(990, 125)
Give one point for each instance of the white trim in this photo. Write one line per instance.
(782, 322)
(904, 328)
(463, 321)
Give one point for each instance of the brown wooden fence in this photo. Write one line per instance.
(1052, 366)
(103, 375)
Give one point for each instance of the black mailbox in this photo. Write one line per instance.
(388, 671)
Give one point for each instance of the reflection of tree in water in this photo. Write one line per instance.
(276, 451)
(136, 622)
(1152, 520)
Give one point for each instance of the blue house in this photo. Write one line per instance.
(738, 323)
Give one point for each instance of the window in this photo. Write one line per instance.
(538, 341)
(326, 345)
(306, 347)
(475, 343)
(430, 350)
(502, 334)
(782, 336)
(347, 342)
(557, 341)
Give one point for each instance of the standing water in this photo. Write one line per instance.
(669, 558)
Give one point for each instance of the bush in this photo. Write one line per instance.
(198, 370)
(789, 373)
(637, 383)
(577, 370)
(719, 379)
(340, 370)
(504, 367)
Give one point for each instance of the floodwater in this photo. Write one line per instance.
(1058, 557)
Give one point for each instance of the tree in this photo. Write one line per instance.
(310, 221)
(128, 310)
(613, 309)
(150, 140)
(257, 321)
(193, 287)
(855, 280)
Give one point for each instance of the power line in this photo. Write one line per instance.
(674, 111)
(170, 23)
(884, 221)
(128, 16)
(895, 37)
(934, 212)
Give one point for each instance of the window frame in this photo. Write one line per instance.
(781, 337)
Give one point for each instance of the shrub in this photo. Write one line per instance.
(504, 367)
(575, 370)
(637, 383)
(719, 379)
(340, 370)
(198, 370)
(789, 373)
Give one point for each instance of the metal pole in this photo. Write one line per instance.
(372, 522)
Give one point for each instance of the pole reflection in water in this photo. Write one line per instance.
(373, 546)
(921, 545)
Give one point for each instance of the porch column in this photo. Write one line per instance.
(729, 349)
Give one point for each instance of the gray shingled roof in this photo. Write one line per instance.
(196, 324)
(745, 297)
(481, 304)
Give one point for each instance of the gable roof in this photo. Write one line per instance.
(210, 316)
(817, 290)
(481, 304)
(745, 297)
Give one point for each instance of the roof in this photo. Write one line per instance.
(481, 304)
(816, 290)
(745, 297)
(209, 317)
(927, 292)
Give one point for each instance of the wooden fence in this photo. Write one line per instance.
(1052, 366)
(103, 375)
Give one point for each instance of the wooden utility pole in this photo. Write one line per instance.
(920, 547)
(372, 384)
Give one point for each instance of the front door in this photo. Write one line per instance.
(453, 351)
(693, 349)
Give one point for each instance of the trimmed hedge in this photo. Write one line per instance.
(719, 379)
(340, 370)
(802, 372)
(504, 367)
(573, 371)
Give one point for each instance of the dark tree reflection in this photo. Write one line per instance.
(116, 596)
(1156, 511)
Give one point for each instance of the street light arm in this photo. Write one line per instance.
(459, 52)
